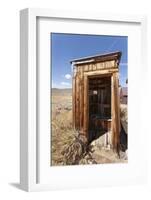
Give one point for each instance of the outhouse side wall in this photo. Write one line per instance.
(78, 98)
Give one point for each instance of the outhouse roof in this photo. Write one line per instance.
(98, 58)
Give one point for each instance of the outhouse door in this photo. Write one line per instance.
(99, 105)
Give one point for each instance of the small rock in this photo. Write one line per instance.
(123, 155)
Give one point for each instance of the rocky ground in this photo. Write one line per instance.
(79, 153)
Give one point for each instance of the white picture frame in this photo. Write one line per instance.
(29, 148)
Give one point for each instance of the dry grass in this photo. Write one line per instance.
(62, 132)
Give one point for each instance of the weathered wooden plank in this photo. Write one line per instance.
(115, 112)
(108, 64)
(112, 63)
(86, 114)
(81, 99)
(112, 111)
(77, 101)
(100, 66)
(90, 67)
(86, 67)
(95, 66)
(100, 72)
(73, 101)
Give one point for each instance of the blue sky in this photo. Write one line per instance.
(66, 47)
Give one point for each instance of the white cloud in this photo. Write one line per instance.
(61, 85)
(65, 84)
(68, 76)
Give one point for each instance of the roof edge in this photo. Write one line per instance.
(98, 57)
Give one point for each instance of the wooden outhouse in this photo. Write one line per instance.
(95, 95)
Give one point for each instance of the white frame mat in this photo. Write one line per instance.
(30, 164)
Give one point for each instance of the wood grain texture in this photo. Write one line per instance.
(86, 106)
(115, 112)
(73, 101)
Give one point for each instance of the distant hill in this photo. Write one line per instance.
(63, 92)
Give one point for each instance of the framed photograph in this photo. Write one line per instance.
(81, 102)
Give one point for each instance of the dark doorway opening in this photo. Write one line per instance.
(99, 106)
